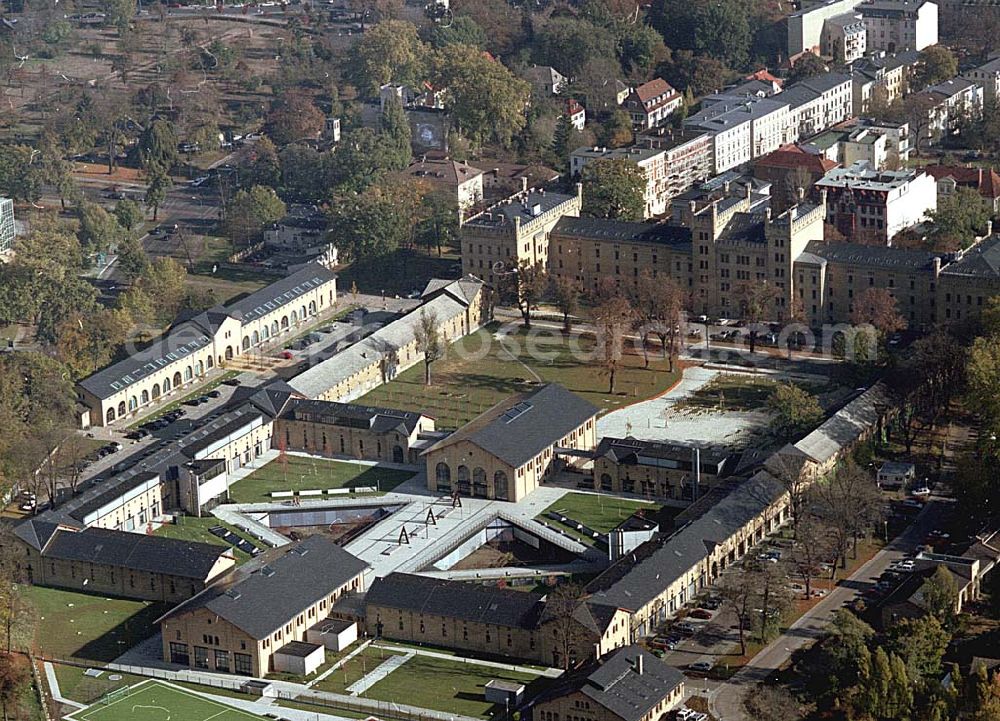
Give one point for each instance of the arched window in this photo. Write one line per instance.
(443, 476)
(312, 307)
(246, 342)
(229, 352)
(265, 333)
(166, 385)
(144, 397)
(255, 338)
(199, 368)
(177, 379)
(463, 480)
(500, 490)
(110, 415)
(133, 403)
(188, 373)
(156, 391)
(211, 362)
(605, 482)
(302, 313)
(284, 321)
(295, 316)
(121, 408)
(397, 454)
(274, 327)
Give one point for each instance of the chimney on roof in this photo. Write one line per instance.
(980, 184)
(524, 184)
(638, 664)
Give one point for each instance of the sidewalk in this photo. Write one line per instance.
(548, 672)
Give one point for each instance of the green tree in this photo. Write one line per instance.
(940, 597)
(158, 182)
(20, 178)
(119, 13)
(756, 302)
(616, 131)
(614, 189)
(158, 146)
(487, 102)
(132, 258)
(376, 222)
(921, 643)
(567, 44)
(428, 338)
(389, 52)
(463, 30)
(129, 214)
(959, 218)
(718, 29)
(794, 411)
(641, 48)
(935, 64)
(263, 164)
(522, 286)
(566, 293)
(99, 229)
(562, 140)
(807, 66)
(395, 135)
(250, 212)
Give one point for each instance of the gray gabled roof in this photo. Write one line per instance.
(846, 426)
(457, 599)
(36, 532)
(266, 593)
(980, 261)
(136, 552)
(518, 429)
(280, 293)
(629, 683)
(353, 415)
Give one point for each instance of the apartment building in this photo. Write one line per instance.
(818, 103)
(949, 104)
(460, 181)
(895, 25)
(882, 76)
(844, 38)
(651, 104)
(514, 230)
(805, 26)
(987, 76)
(966, 284)
(491, 620)
(6, 225)
(865, 204)
(651, 160)
(744, 128)
(950, 178)
(507, 451)
(241, 622)
(688, 158)
(883, 145)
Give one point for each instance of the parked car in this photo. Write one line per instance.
(231, 382)
(921, 491)
(702, 666)
(712, 603)
(214, 393)
(701, 613)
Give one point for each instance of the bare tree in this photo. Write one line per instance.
(809, 547)
(524, 287)
(772, 596)
(756, 301)
(659, 304)
(849, 505)
(17, 617)
(877, 307)
(566, 293)
(428, 337)
(561, 609)
(788, 470)
(739, 593)
(613, 319)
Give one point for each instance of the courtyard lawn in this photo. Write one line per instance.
(480, 371)
(449, 686)
(156, 700)
(191, 528)
(598, 511)
(354, 669)
(298, 473)
(90, 627)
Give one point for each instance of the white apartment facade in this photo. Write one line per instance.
(896, 25)
(651, 161)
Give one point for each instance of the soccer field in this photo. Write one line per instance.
(155, 701)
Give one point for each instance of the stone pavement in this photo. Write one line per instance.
(378, 673)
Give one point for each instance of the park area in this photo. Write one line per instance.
(191, 528)
(91, 628)
(485, 368)
(157, 701)
(307, 473)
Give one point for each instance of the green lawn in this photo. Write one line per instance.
(597, 510)
(479, 372)
(74, 685)
(297, 473)
(359, 665)
(449, 686)
(156, 701)
(92, 628)
(191, 528)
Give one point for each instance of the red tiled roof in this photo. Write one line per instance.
(791, 156)
(573, 107)
(985, 180)
(654, 88)
(766, 77)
